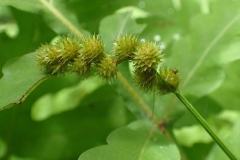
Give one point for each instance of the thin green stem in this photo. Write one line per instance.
(205, 125)
(153, 104)
(137, 98)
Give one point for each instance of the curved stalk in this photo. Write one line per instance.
(205, 125)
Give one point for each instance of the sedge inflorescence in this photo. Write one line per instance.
(54, 58)
(69, 54)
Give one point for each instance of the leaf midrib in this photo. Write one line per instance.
(62, 18)
(146, 143)
(210, 46)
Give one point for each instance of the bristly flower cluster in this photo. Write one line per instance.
(125, 46)
(168, 80)
(81, 57)
(54, 58)
(69, 55)
(145, 61)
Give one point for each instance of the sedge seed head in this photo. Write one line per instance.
(48, 59)
(125, 46)
(81, 67)
(145, 79)
(107, 68)
(54, 58)
(92, 49)
(68, 47)
(168, 80)
(147, 56)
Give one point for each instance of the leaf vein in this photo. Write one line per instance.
(63, 19)
(206, 51)
(146, 143)
(123, 24)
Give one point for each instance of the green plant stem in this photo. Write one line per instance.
(137, 98)
(202, 121)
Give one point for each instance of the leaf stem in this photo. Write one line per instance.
(205, 125)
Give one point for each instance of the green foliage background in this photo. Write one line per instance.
(64, 117)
